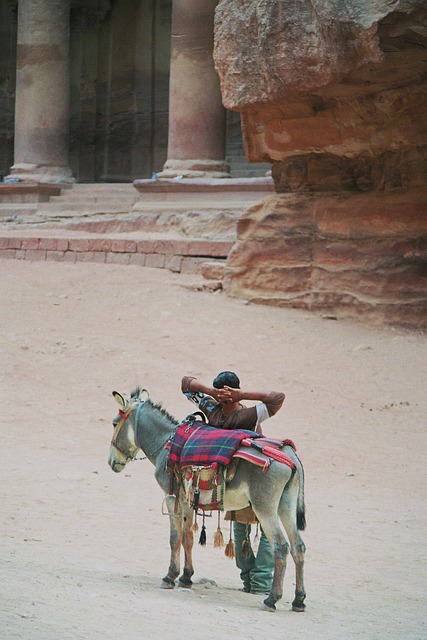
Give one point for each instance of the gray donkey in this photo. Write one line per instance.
(276, 495)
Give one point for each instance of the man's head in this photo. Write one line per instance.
(226, 379)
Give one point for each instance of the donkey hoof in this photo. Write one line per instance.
(167, 583)
(185, 585)
(267, 606)
(298, 603)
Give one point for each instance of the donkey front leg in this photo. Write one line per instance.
(187, 542)
(175, 538)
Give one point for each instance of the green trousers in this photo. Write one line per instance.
(256, 571)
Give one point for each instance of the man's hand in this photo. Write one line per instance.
(228, 395)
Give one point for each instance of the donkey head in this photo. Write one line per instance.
(123, 447)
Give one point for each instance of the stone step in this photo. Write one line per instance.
(196, 205)
(208, 214)
(187, 226)
(177, 255)
(94, 198)
(104, 194)
(26, 192)
(71, 208)
(221, 224)
(156, 203)
(206, 185)
(10, 209)
(102, 187)
(154, 196)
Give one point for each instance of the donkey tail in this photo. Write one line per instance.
(301, 521)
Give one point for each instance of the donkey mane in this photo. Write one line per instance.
(158, 406)
(135, 392)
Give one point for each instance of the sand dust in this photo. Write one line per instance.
(83, 550)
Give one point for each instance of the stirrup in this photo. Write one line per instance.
(165, 509)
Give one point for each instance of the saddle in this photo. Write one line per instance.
(203, 459)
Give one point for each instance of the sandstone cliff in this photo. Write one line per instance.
(334, 95)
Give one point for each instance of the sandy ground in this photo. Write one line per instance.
(83, 550)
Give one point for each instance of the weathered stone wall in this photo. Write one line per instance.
(334, 95)
(132, 82)
(344, 255)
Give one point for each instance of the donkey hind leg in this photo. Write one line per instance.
(175, 537)
(187, 542)
(288, 516)
(280, 548)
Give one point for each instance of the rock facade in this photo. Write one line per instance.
(343, 255)
(334, 95)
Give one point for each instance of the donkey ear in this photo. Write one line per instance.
(143, 395)
(119, 399)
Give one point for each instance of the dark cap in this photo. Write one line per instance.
(226, 379)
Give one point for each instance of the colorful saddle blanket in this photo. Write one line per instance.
(195, 444)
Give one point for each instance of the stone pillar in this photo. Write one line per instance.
(196, 142)
(42, 92)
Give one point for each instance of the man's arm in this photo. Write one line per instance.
(273, 400)
(192, 385)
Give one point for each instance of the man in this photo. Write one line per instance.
(221, 405)
(221, 402)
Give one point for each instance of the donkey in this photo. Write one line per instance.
(276, 495)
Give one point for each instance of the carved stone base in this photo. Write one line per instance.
(29, 172)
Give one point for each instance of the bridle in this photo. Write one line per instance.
(124, 415)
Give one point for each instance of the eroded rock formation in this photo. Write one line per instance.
(334, 94)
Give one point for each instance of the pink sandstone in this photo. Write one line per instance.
(334, 95)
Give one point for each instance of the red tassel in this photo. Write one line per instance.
(195, 526)
(218, 537)
(229, 549)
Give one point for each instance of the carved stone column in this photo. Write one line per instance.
(42, 92)
(196, 143)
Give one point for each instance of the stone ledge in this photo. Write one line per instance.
(180, 256)
(205, 185)
(27, 191)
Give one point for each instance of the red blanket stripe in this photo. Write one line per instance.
(199, 445)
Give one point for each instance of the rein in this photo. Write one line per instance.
(138, 409)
